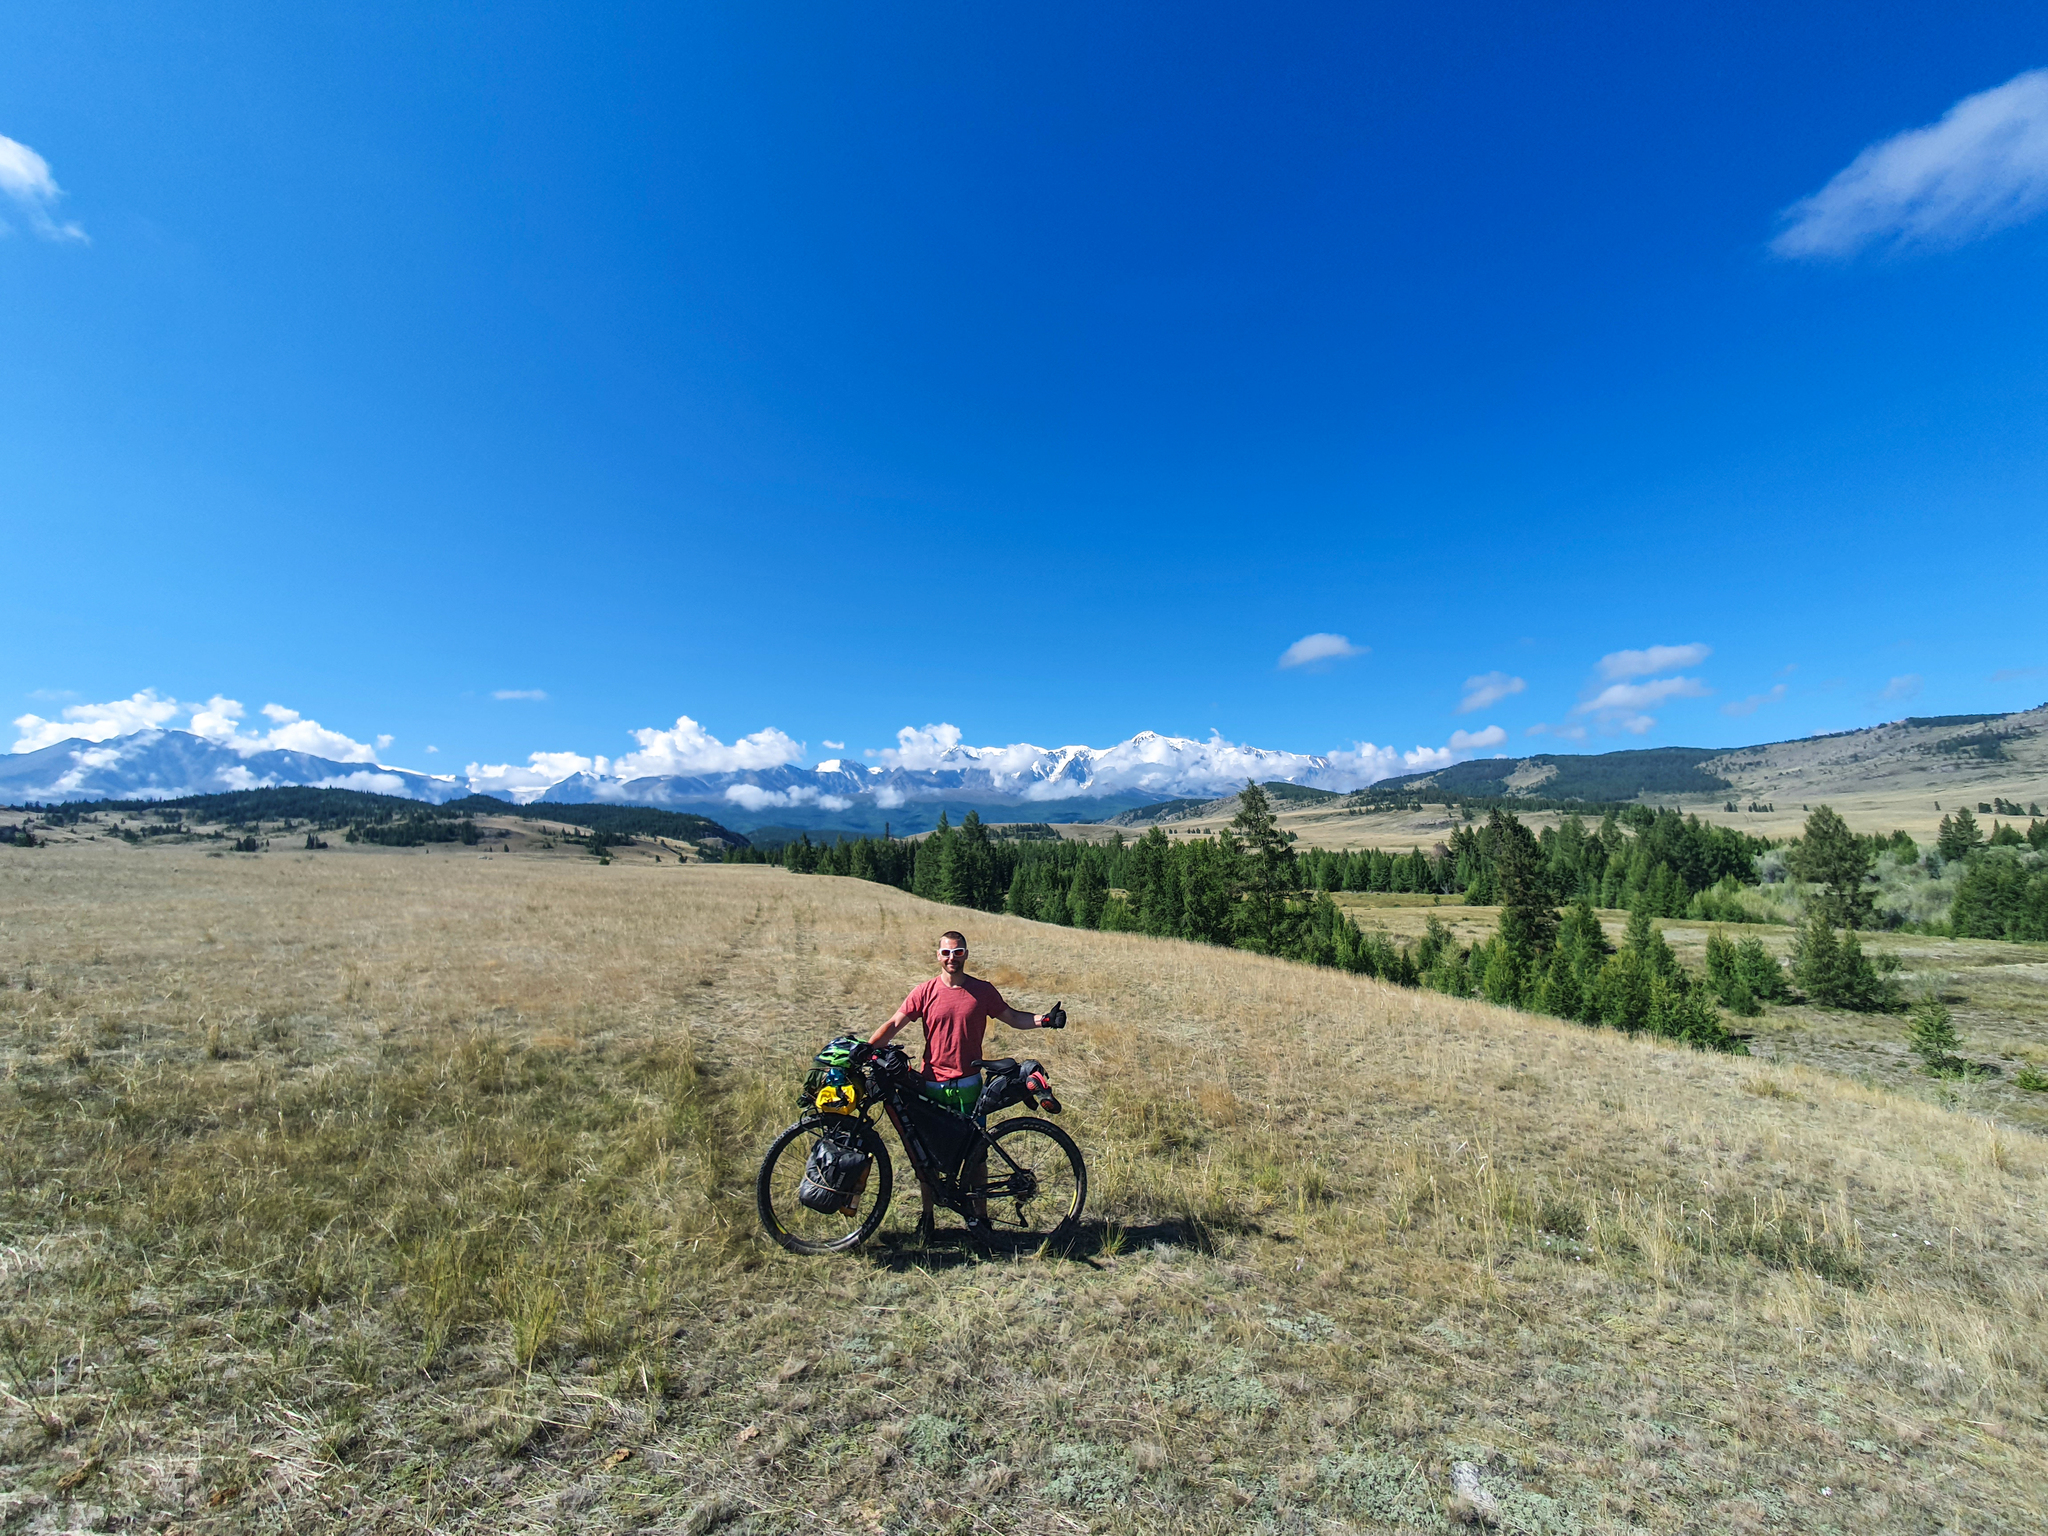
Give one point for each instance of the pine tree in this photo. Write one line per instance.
(1268, 877)
(1832, 857)
(1086, 894)
(1958, 836)
(976, 866)
(1759, 974)
(1933, 1038)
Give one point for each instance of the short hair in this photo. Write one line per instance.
(955, 935)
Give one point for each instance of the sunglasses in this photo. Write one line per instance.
(945, 953)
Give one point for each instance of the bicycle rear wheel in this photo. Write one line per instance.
(1035, 1183)
(795, 1225)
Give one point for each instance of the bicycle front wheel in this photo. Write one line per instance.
(797, 1226)
(1035, 1182)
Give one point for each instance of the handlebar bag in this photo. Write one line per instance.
(835, 1173)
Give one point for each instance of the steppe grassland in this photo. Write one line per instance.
(389, 1190)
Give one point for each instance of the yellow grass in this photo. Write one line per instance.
(382, 1190)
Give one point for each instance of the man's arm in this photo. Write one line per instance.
(896, 1021)
(1017, 1018)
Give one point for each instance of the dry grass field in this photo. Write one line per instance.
(1998, 993)
(381, 1190)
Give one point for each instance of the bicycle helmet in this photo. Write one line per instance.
(837, 1052)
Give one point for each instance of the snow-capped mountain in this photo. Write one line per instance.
(924, 775)
(1146, 768)
(163, 765)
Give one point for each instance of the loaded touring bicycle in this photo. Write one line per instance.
(825, 1182)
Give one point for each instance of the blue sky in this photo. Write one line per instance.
(1047, 371)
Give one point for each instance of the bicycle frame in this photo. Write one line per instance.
(950, 1192)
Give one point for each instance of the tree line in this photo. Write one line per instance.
(1249, 888)
(2003, 893)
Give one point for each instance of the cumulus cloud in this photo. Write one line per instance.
(542, 769)
(1366, 763)
(1981, 168)
(1654, 658)
(97, 722)
(1905, 687)
(919, 747)
(1310, 649)
(1754, 702)
(687, 748)
(1487, 689)
(26, 180)
(220, 721)
(531, 695)
(836, 746)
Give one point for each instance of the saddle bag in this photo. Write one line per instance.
(1002, 1084)
(836, 1173)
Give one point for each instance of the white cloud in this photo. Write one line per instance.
(25, 177)
(1906, 687)
(1625, 706)
(1982, 167)
(1475, 741)
(219, 720)
(523, 784)
(836, 746)
(532, 695)
(1655, 658)
(1487, 689)
(1310, 649)
(290, 732)
(96, 722)
(921, 747)
(687, 748)
(754, 798)
(1754, 702)
(1619, 698)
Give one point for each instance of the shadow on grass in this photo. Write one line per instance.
(1092, 1241)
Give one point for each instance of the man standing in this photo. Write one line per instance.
(956, 1008)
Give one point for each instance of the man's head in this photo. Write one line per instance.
(952, 953)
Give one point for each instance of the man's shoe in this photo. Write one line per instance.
(926, 1233)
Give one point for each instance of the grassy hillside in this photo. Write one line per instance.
(374, 1190)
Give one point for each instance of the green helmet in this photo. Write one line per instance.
(837, 1053)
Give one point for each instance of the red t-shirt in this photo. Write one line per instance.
(954, 1018)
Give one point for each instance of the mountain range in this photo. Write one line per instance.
(1009, 783)
(1145, 778)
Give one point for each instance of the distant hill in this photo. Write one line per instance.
(341, 806)
(1191, 809)
(1592, 777)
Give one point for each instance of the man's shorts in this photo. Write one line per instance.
(958, 1095)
